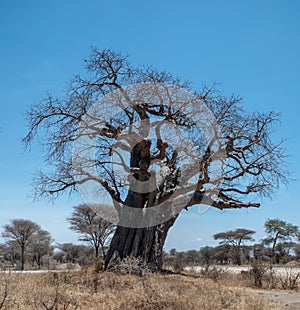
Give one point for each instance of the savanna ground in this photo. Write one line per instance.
(94, 289)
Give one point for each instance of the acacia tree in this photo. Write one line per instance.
(235, 238)
(297, 247)
(40, 245)
(279, 231)
(134, 144)
(73, 253)
(20, 230)
(207, 255)
(91, 227)
(10, 252)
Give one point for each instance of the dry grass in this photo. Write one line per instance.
(105, 290)
(265, 279)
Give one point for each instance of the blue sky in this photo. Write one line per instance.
(249, 47)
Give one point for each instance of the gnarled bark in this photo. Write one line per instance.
(147, 242)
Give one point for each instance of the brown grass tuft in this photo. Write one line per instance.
(76, 290)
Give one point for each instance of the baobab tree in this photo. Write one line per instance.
(152, 145)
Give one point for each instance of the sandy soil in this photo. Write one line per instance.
(278, 299)
(237, 269)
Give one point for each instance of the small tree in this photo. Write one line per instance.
(73, 253)
(20, 230)
(10, 252)
(284, 250)
(207, 256)
(261, 252)
(91, 227)
(297, 251)
(221, 253)
(236, 238)
(278, 231)
(172, 252)
(39, 246)
(191, 257)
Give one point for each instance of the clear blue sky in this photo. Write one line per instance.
(249, 47)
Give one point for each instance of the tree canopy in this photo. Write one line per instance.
(236, 238)
(253, 163)
(91, 227)
(279, 234)
(20, 231)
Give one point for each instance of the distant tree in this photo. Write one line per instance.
(222, 253)
(91, 227)
(284, 250)
(20, 230)
(59, 256)
(2, 253)
(246, 251)
(235, 238)
(40, 245)
(207, 255)
(169, 257)
(191, 257)
(278, 231)
(2, 246)
(261, 252)
(10, 252)
(173, 251)
(296, 249)
(73, 253)
(178, 262)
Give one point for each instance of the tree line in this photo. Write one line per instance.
(28, 245)
(280, 245)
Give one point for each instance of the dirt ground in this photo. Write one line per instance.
(278, 299)
(281, 271)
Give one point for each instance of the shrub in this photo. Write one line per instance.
(131, 265)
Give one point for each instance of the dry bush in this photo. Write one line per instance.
(131, 265)
(50, 291)
(265, 276)
(270, 279)
(262, 276)
(177, 266)
(52, 299)
(290, 280)
(75, 290)
(90, 275)
(8, 287)
(213, 272)
(257, 273)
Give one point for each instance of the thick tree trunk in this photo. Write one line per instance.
(146, 242)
